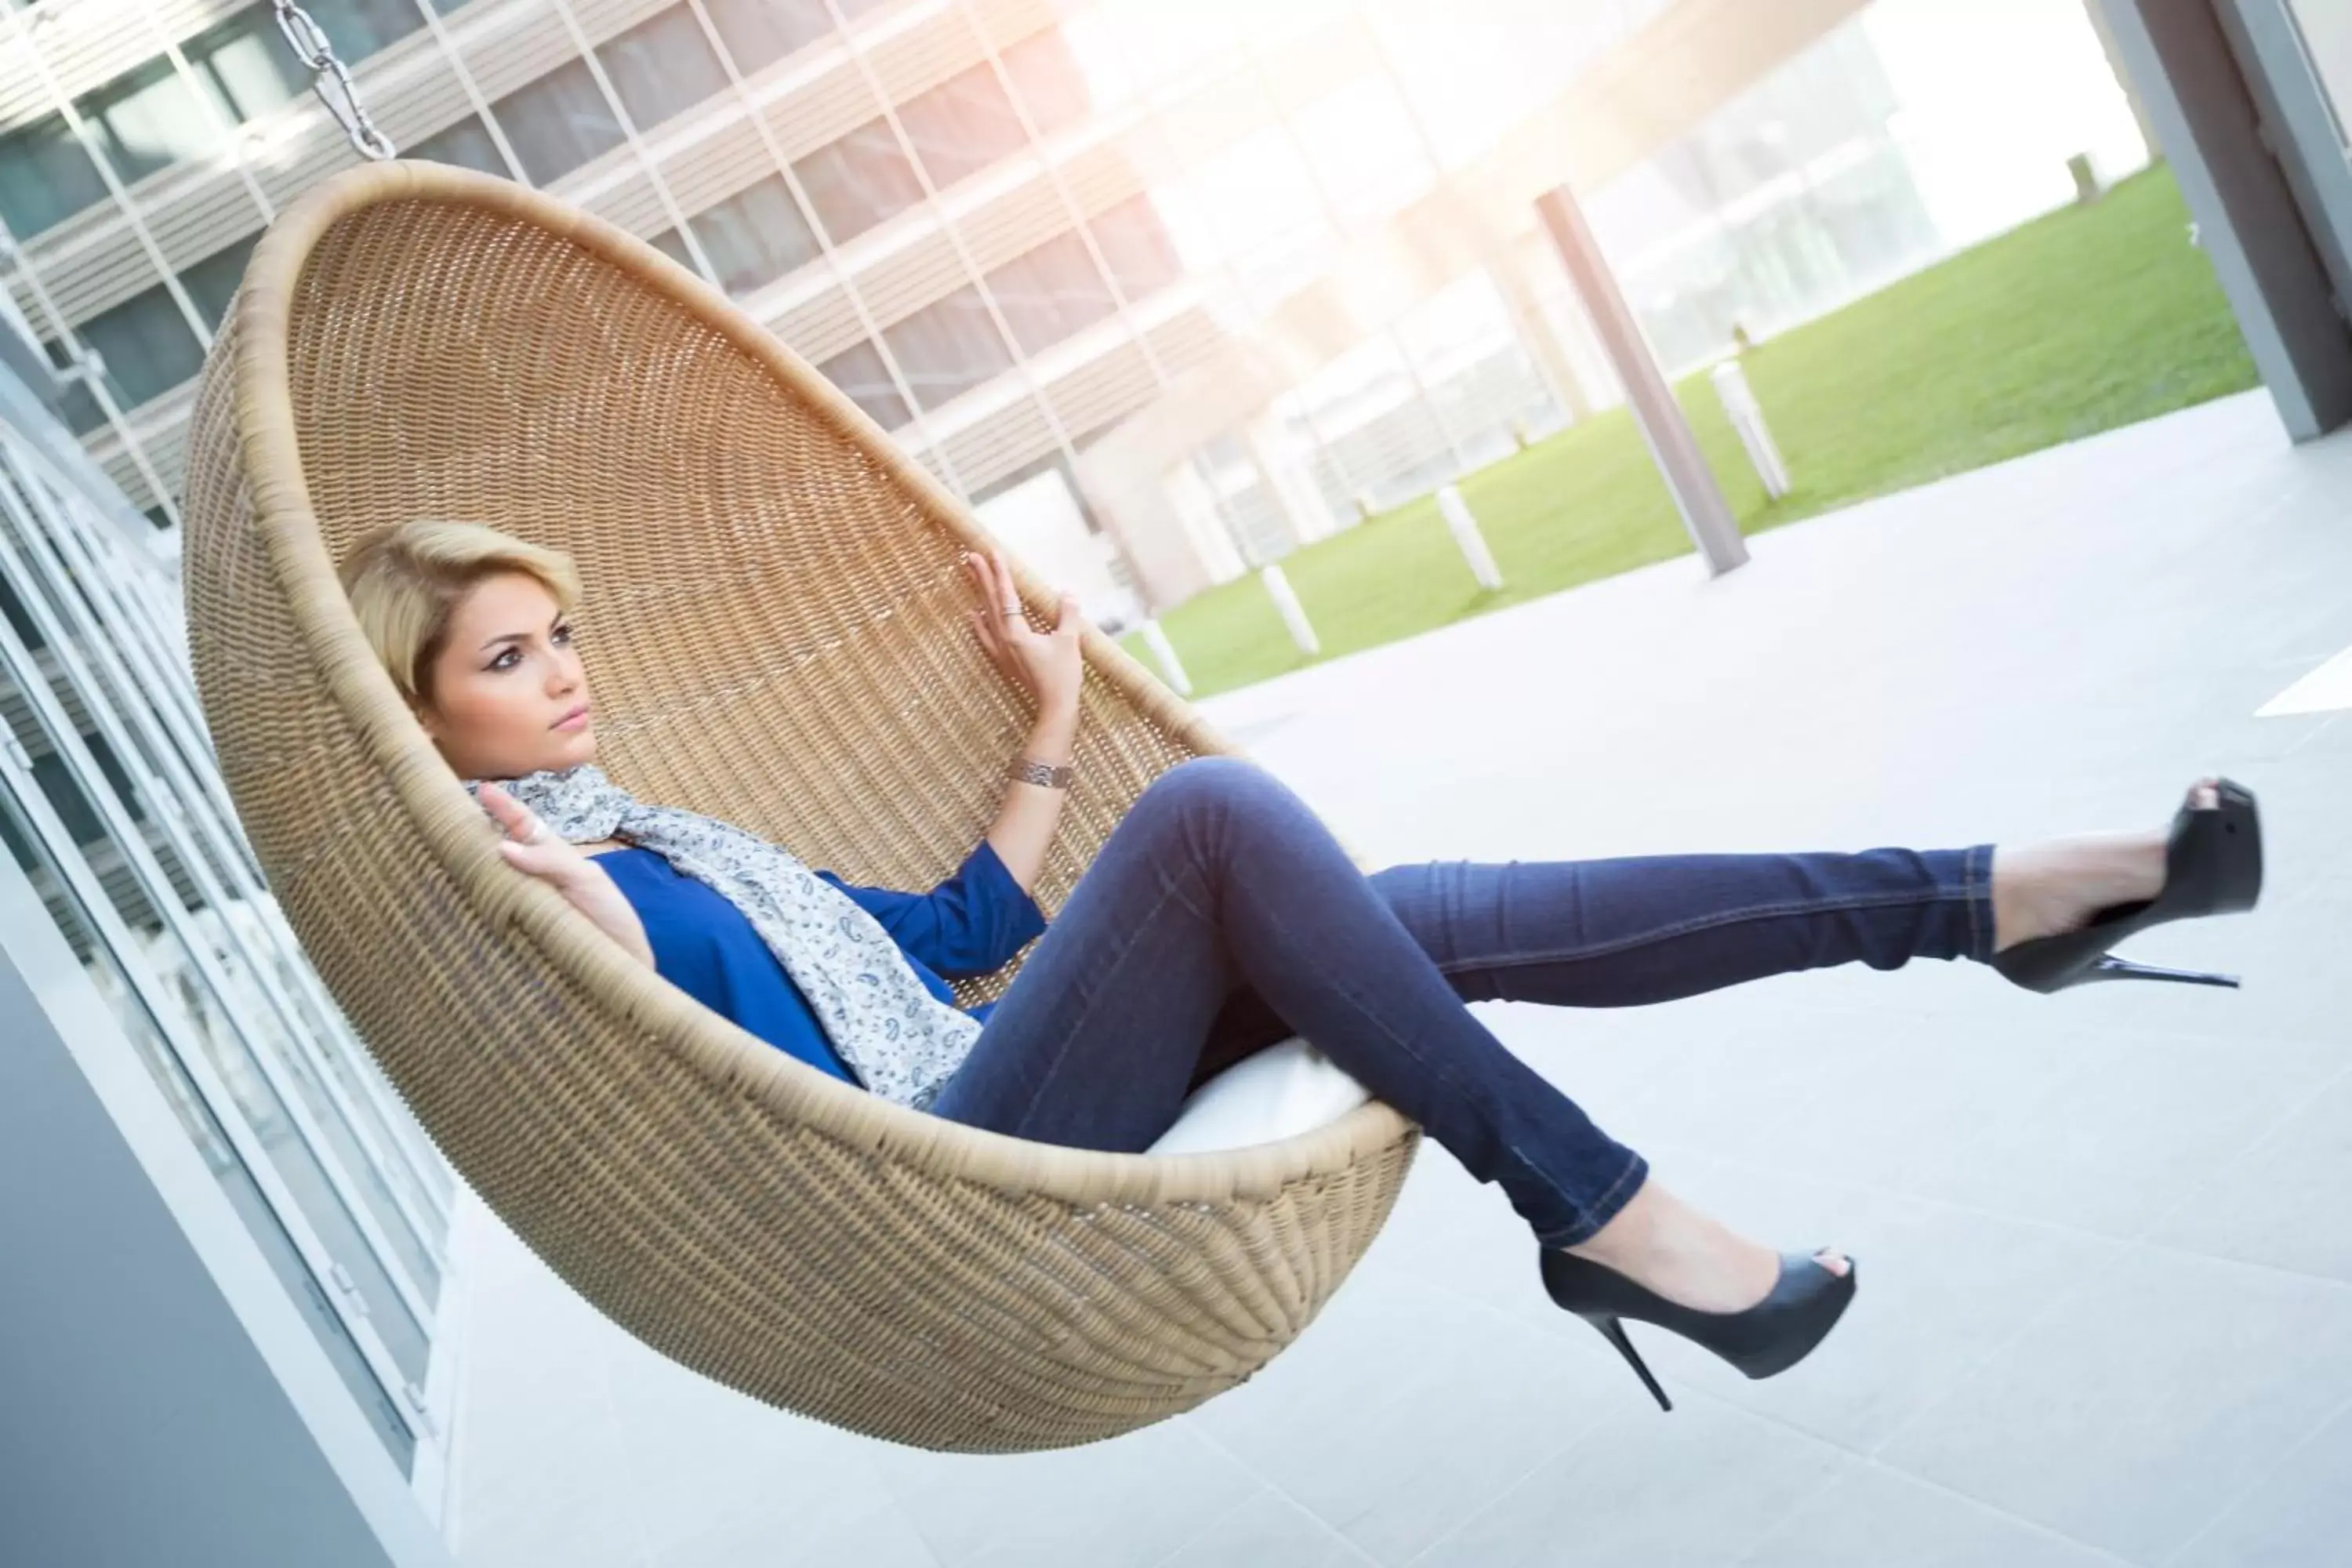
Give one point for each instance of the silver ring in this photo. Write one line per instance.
(1012, 612)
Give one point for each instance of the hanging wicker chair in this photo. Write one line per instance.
(775, 619)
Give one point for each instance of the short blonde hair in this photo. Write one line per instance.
(404, 581)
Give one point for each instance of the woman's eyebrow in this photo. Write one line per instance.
(504, 637)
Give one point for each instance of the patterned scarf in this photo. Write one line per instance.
(903, 1043)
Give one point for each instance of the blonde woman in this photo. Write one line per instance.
(1221, 916)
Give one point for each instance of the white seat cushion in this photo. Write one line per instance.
(1277, 1093)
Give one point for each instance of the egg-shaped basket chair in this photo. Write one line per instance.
(775, 619)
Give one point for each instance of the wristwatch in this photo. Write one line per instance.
(1027, 772)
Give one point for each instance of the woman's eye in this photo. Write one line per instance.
(561, 636)
(508, 659)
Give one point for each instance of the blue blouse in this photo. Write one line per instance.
(972, 923)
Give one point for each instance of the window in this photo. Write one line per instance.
(1050, 294)
(1051, 463)
(670, 244)
(755, 235)
(662, 66)
(1362, 144)
(357, 28)
(147, 344)
(859, 181)
(467, 145)
(45, 177)
(1046, 76)
(948, 347)
(212, 281)
(558, 122)
(20, 621)
(758, 33)
(74, 401)
(246, 64)
(77, 406)
(860, 372)
(1136, 246)
(147, 120)
(1256, 191)
(962, 126)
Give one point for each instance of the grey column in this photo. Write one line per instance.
(2098, 15)
(161, 1399)
(2247, 221)
(1671, 445)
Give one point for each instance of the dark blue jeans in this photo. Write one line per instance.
(1221, 916)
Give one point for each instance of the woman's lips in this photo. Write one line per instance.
(573, 721)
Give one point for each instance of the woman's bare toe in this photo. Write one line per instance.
(1836, 1262)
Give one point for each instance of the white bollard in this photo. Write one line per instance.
(1294, 614)
(2088, 187)
(1747, 416)
(1165, 652)
(1468, 538)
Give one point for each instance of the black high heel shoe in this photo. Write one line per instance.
(1770, 1337)
(2212, 866)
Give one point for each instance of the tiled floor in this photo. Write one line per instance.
(2107, 1315)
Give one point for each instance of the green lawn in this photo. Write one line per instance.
(2080, 321)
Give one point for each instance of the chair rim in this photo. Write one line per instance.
(727, 1057)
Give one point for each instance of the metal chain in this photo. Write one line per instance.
(331, 79)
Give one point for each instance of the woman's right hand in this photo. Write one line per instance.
(529, 848)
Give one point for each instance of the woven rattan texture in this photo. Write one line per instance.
(774, 623)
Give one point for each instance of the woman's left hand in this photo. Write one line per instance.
(1047, 663)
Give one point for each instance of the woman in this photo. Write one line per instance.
(1221, 916)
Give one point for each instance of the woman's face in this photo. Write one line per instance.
(509, 694)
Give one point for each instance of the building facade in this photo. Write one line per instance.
(1003, 226)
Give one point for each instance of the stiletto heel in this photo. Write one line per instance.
(1770, 1337)
(2110, 967)
(2212, 866)
(1613, 1331)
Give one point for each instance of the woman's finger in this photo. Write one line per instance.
(545, 855)
(981, 586)
(509, 813)
(994, 595)
(983, 572)
(999, 591)
(1010, 600)
(983, 630)
(545, 861)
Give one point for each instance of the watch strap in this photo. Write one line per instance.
(1028, 771)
